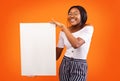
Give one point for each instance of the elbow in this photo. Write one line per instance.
(75, 46)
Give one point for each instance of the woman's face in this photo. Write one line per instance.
(74, 16)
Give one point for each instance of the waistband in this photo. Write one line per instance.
(73, 59)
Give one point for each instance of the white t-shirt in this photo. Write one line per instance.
(81, 52)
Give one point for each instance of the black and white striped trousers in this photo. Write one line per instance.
(73, 69)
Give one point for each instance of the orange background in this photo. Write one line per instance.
(103, 58)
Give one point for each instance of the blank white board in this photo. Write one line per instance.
(38, 49)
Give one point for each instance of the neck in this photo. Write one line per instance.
(78, 26)
(75, 28)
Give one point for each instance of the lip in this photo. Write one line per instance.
(72, 20)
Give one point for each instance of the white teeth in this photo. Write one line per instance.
(72, 20)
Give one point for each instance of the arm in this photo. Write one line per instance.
(75, 42)
(58, 52)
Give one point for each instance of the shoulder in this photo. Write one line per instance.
(88, 27)
(61, 33)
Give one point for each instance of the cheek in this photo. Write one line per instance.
(68, 19)
(79, 19)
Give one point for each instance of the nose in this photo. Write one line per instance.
(71, 16)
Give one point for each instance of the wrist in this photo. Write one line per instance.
(64, 28)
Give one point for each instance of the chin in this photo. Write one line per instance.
(72, 24)
(75, 24)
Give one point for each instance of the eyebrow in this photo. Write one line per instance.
(74, 12)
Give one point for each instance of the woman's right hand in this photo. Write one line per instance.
(57, 23)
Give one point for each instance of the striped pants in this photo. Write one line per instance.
(73, 69)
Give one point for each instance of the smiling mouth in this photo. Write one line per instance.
(72, 20)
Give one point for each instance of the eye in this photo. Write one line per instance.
(76, 13)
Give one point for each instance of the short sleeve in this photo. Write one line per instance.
(60, 41)
(86, 33)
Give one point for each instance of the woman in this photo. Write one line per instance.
(77, 40)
